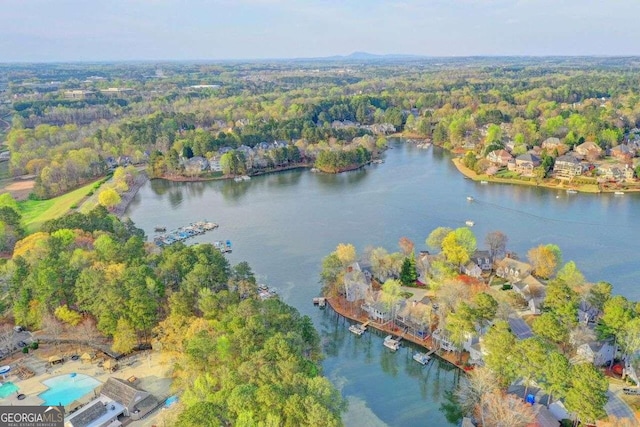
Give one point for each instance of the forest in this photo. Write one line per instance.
(90, 118)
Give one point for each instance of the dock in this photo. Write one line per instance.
(184, 233)
(320, 301)
(428, 343)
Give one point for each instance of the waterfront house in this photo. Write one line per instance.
(214, 164)
(482, 259)
(615, 172)
(525, 163)
(356, 283)
(589, 150)
(499, 157)
(567, 166)
(512, 270)
(196, 163)
(376, 309)
(623, 152)
(599, 353)
(415, 317)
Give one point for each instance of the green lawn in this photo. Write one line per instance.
(36, 212)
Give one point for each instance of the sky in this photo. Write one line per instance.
(108, 30)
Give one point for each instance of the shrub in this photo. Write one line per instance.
(25, 350)
(34, 345)
(506, 287)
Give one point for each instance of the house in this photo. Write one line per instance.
(567, 166)
(79, 94)
(214, 164)
(377, 310)
(356, 283)
(137, 402)
(512, 270)
(525, 163)
(415, 316)
(482, 259)
(471, 269)
(519, 328)
(550, 144)
(532, 291)
(587, 313)
(100, 412)
(499, 157)
(623, 152)
(589, 150)
(196, 163)
(615, 172)
(599, 353)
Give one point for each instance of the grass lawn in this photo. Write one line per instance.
(35, 212)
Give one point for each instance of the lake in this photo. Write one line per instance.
(283, 224)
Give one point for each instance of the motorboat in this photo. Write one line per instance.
(391, 343)
(422, 358)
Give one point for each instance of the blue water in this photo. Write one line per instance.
(64, 389)
(7, 388)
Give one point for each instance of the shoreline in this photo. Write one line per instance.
(581, 188)
(128, 196)
(459, 362)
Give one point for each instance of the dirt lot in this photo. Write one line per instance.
(19, 189)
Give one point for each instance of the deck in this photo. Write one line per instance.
(454, 358)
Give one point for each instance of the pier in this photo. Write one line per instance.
(183, 233)
(455, 359)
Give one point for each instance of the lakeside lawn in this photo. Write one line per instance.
(36, 212)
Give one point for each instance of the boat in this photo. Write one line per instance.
(619, 193)
(469, 223)
(358, 329)
(237, 179)
(391, 343)
(245, 177)
(469, 199)
(320, 301)
(483, 182)
(572, 192)
(422, 358)
(160, 229)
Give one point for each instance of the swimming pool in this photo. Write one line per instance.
(7, 388)
(64, 389)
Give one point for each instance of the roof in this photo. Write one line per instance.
(123, 392)
(86, 417)
(520, 328)
(589, 145)
(544, 418)
(567, 159)
(528, 157)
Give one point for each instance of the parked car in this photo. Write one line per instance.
(18, 328)
(631, 390)
(22, 344)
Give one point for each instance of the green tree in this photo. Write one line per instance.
(436, 237)
(408, 273)
(570, 274)
(557, 375)
(563, 302)
(549, 327)
(617, 313)
(459, 245)
(587, 395)
(486, 308)
(125, 339)
(499, 343)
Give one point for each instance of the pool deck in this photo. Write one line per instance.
(153, 376)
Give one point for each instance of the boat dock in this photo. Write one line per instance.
(428, 343)
(183, 233)
(320, 302)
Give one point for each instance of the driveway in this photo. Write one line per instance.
(617, 407)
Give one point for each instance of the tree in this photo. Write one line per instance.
(436, 237)
(496, 241)
(588, 393)
(109, 198)
(472, 392)
(459, 245)
(599, 294)
(563, 302)
(460, 324)
(68, 316)
(408, 273)
(486, 308)
(570, 274)
(549, 327)
(346, 253)
(617, 313)
(531, 354)
(543, 260)
(125, 339)
(406, 246)
(556, 375)
(506, 410)
(499, 343)
(330, 274)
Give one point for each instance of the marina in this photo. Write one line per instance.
(223, 246)
(183, 233)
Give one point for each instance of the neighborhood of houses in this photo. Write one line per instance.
(418, 318)
(588, 158)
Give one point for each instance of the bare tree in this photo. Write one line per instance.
(506, 410)
(406, 246)
(52, 326)
(472, 391)
(497, 243)
(88, 332)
